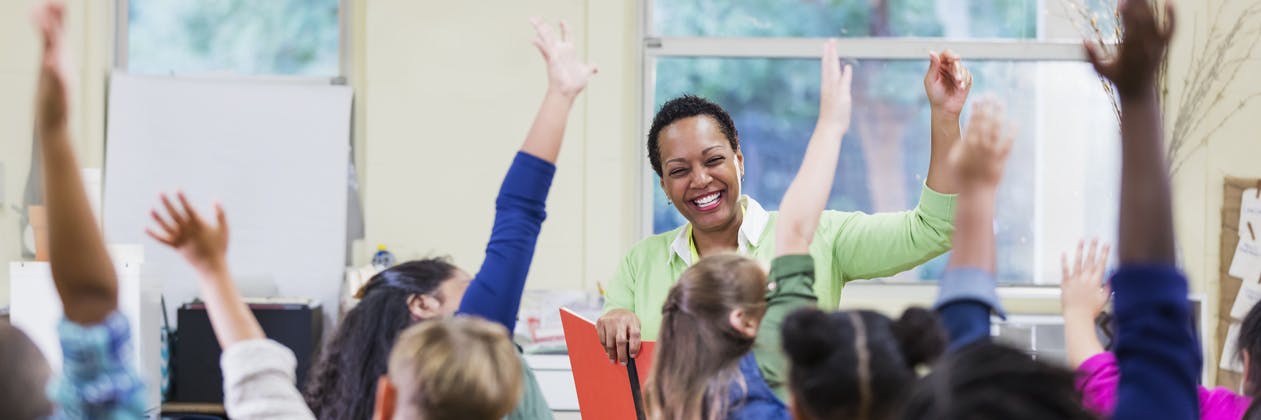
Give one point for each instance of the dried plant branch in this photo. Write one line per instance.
(1215, 63)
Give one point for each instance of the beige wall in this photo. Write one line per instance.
(90, 37)
(450, 89)
(1233, 151)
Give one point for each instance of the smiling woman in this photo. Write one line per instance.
(694, 147)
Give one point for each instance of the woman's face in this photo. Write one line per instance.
(700, 173)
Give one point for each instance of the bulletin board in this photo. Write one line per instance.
(1232, 196)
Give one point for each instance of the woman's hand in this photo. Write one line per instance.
(947, 83)
(619, 332)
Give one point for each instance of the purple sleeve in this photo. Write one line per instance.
(1099, 375)
(495, 292)
(1097, 379)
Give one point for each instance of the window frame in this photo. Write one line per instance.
(345, 54)
(1057, 41)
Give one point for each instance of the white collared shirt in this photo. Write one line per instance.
(751, 229)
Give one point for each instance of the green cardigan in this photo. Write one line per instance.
(847, 246)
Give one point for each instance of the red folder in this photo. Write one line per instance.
(604, 389)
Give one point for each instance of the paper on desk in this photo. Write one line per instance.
(1230, 357)
(1248, 296)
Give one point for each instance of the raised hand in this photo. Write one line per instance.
(947, 82)
(566, 73)
(980, 156)
(52, 97)
(1133, 68)
(835, 101)
(204, 246)
(1082, 292)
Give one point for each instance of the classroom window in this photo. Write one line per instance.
(241, 37)
(1060, 181)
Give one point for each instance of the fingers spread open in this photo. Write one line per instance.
(175, 215)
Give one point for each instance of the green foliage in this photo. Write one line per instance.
(287, 37)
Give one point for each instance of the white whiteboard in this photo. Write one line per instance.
(275, 154)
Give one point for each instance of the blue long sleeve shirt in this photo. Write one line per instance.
(965, 300)
(1156, 349)
(495, 292)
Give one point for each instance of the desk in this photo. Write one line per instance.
(193, 408)
(556, 380)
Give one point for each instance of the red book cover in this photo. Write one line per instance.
(604, 388)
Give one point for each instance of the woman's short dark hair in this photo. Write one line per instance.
(345, 380)
(857, 364)
(985, 380)
(687, 106)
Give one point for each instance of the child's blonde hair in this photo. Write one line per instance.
(460, 368)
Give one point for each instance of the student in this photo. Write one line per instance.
(856, 364)
(694, 148)
(258, 374)
(482, 380)
(1156, 348)
(719, 355)
(97, 379)
(1083, 296)
(435, 289)
(978, 378)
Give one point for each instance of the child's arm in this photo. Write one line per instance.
(1082, 297)
(81, 266)
(1156, 349)
(94, 337)
(967, 291)
(808, 194)
(495, 292)
(791, 280)
(567, 76)
(258, 374)
(205, 247)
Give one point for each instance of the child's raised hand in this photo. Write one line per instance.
(566, 73)
(52, 98)
(1134, 66)
(204, 246)
(1082, 291)
(947, 82)
(835, 100)
(980, 156)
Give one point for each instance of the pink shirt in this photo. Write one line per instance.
(1098, 377)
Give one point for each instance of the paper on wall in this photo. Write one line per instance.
(1249, 211)
(1230, 357)
(1248, 297)
(1246, 264)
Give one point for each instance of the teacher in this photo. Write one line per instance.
(695, 150)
